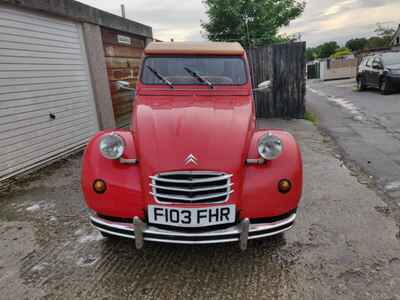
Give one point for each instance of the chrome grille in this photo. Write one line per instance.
(191, 187)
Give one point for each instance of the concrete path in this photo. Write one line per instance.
(366, 128)
(344, 244)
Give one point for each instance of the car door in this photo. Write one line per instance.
(366, 70)
(361, 68)
(376, 71)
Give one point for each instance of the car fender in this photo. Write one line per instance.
(261, 197)
(123, 196)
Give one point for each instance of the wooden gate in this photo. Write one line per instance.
(313, 71)
(284, 65)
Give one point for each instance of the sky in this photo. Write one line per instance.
(322, 20)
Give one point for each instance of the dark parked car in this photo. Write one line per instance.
(380, 71)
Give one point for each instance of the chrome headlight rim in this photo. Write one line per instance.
(269, 146)
(112, 140)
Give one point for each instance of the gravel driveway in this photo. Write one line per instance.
(344, 245)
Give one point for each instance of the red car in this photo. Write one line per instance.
(194, 169)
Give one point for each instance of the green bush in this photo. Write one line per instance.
(341, 52)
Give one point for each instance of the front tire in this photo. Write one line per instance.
(361, 85)
(384, 87)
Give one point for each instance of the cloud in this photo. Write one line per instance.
(322, 20)
(179, 20)
(343, 19)
(339, 7)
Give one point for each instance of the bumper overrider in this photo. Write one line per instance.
(245, 230)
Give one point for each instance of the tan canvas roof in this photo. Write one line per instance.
(210, 48)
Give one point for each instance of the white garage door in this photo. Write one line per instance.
(46, 101)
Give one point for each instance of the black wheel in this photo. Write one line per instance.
(360, 84)
(384, 87)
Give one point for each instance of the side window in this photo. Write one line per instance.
(378, 60)
(368, 62)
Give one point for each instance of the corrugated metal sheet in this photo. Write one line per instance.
(43, 73)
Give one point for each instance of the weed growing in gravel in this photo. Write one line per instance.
(309, 116)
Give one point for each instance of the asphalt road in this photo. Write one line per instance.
(344, 244)
(366, 127)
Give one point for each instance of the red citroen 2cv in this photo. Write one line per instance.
(193, 169)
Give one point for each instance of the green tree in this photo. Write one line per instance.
(356, 44)
(310, 54)
(383, 31)
(250, 22)
(327, 49)
(383, 37)
(376, 42)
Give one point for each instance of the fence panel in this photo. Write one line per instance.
(284, 65)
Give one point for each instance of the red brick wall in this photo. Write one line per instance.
(123, 62)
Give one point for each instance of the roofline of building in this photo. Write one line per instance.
(394, 36)
(83, 13)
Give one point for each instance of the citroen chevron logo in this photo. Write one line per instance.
(191, 159)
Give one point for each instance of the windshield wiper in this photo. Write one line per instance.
(199, 77)
(161, 77)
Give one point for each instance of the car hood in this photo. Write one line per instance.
(393, 67)
(214, 129)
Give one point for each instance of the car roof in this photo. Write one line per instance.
(196, 48)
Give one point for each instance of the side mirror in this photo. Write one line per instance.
(124, 86)
(264, 87)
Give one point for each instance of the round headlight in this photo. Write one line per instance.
(112, 146)
(270, 147)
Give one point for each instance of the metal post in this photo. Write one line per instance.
(123, 11)
(247, 32)
(244, 233)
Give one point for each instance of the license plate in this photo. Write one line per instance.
(191, 217)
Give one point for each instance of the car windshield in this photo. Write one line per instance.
(391, 58)
(194, 70)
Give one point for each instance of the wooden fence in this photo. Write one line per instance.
(284, 65)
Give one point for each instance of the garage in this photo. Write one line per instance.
(47, 107)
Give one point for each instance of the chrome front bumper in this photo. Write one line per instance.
(241, 232)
